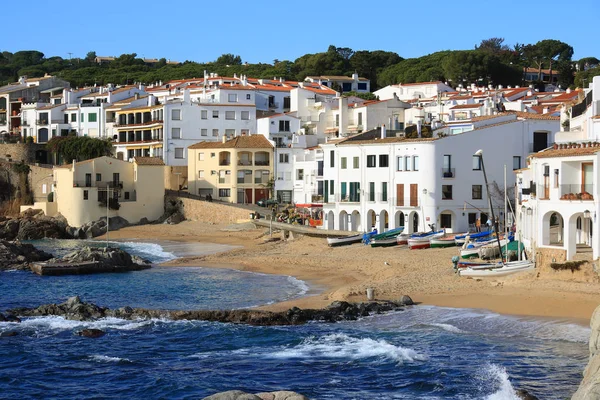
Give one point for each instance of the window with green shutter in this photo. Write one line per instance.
(343, 187)
(384, 191)
(92, 117)
(371, 191)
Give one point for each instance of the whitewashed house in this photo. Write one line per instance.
(558, 193)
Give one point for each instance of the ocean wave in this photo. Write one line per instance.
(498, 376)
(446, 327)
(344, 346)
(55, 323)
(152, 251)
(107, 359)
(300, 285)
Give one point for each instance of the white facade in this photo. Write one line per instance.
(409, 91)
(374, 181)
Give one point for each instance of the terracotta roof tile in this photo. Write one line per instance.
(464, 106)
(239, 142)
(526, 115)
(148, 161)
(563, 151)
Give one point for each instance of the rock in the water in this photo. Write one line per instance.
(525, 395)
(33, 224)
(589, 389)
(281, 395)
(106, 260)
(8, 334)
(91, 333)
(19, 255)
(232, 395)
(12, 318)
(406, 301)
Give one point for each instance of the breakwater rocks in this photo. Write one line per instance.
(589, 389)
(75, 309)
(19, 255)
(239, 395)
(32, 225)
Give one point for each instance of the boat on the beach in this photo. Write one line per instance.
(491, 250)
(386, 239)
(484, 270)
(421, 240)
(344, 240)
(447, 240)
(460, 239)
(403, 238)
(471, 249)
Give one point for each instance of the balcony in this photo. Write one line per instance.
(448, 173)
(99, 184)
(261, 163)
(576, 192)
(224, 180)
(42, 122)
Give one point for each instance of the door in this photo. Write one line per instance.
(261, 194)
(115, 179)
(248, 196)
(400, 194)
(546, 182)
(88, 180)
(415, 223)
(43, 135)
(540, 141)
(587, 172)
(414, 193)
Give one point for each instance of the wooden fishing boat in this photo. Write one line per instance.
(497, 269)
(386, 242)
(460, 239)
(472, 248)
(344, 240)
(491, 250)
(421, 241)
(444, 241)
(403, 238)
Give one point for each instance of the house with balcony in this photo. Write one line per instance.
(559, 190)
(86, 191)
(384, 179)
(352, 83)
(239, 170)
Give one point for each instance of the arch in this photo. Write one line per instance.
(399, 219)
(330, 220)
(42, 136)
(384, 222)
(244, 158)
(224, 158)
(447, 220)
(371, 220)
(343, 221)
(355, 221)
(413, 222)
(553, 229)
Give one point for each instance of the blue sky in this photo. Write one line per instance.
(264, 30)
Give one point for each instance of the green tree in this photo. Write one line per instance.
(229, 59)
(493, 45)
(79, 148)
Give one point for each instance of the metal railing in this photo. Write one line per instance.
(99, 184)
(448, 173)
(42, 122)
(261, 162)
(576, 191)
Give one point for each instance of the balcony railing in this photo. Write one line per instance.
(42, 122)
(99, 184)
(244, 162)
(244, 181)
(225, 180)
(224, 162)
(24, 123)
(576, 192)
(448, 173)
(261, 162)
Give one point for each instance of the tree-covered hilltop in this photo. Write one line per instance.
(490, 62)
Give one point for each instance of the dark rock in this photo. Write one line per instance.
(31, 213)
(91, 333)
(33, 229)
(175, 218)
(19, 255)
(12, 318)
(144, 221)
(233, 395)
(116, 223)
(106, 260)
(525, 395)
(406, 301)
(8, 334)
(2, 318)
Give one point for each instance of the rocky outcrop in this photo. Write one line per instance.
(589, 389)
(239, 395)
(97, 228)
(33, 225)
(175, 218)
(99, 259)
(75, 309)
(19, 255)
(91, 333)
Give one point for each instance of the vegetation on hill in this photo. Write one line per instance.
(491, 62)
(80, 148)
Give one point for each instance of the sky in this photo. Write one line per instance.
(264, 30)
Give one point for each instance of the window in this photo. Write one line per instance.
(284, 158)
(74, 117)
(85, 194)
(224, 192)
(332, 159)
(383, 160)
(476, 163)
(344, 193)
(355, 192)
(284, 126)
(212, 155)
(400, 163)
(446, 221)
(371, 191)
(203, 132)
(384, 196)
(200, 156)
(98, 177)
(248, 97)
(415, 163)
(176, 133)
(215, 132)
(92, 117)
(337, 120)
(356, 163)
(229, 133)
(331, 187)
(215, 113)
(362, 86)
(66, 118)
(126, 195)
(229, 114)
(200, 174)
(245, 115)
(232, 98)
(407, 163)
(446, 192)
(371, 161)
(299, 174)
(360, 118)
(344, 162)
(178, 152)
(204, 114)
(476, 192)
(176, 115)
(516, 162)
(555, 178)
(245, 132)
(447, 165)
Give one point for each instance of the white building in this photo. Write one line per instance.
(557, 213)
(409, 91)
(376, 180)
(353, 83)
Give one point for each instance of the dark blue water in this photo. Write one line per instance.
(421, 353)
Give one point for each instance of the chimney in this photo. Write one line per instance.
(186, 95)
(568, 90)
(224, 139)
(383, 131)
(355, 76)
(136, 96)
(151, 100)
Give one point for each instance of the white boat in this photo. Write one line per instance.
(403, 238)
(421, 241)
(491, 250)
(344, 240)
(471, 249)
(496, 270)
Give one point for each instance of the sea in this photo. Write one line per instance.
(423, 352)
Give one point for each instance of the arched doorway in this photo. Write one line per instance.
(330, 220)
(371, 220)
(413, 222)
(355, 219)
(343, 221)
(42, 135)
(399, 218)
(553, 229)
(383, 221)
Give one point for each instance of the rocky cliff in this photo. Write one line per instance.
(19, 255)
(589, 389)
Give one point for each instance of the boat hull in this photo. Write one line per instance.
(344, 240)
(418, 244)
(384, 242)
(441, 243)
(497, 270)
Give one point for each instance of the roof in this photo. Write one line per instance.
(148, 161)
(459, 106)
(527, 115)
(50, 106)
(565, 150)
(239, 142)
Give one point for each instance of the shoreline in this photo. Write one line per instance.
(344, 273)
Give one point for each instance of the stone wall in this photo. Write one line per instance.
(21, 152)
(544, 257)
(217, 213)
(589, 389)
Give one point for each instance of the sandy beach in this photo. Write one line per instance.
(344, 273)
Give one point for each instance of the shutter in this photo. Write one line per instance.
(400, 195)
(414, 199)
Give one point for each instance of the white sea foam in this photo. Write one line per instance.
(499, 377)
(107, 359)
(344, 346)
(447, 327)
(152, 251)
(301, 285)
(55, 323)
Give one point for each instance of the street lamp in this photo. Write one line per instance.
(479, 153)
